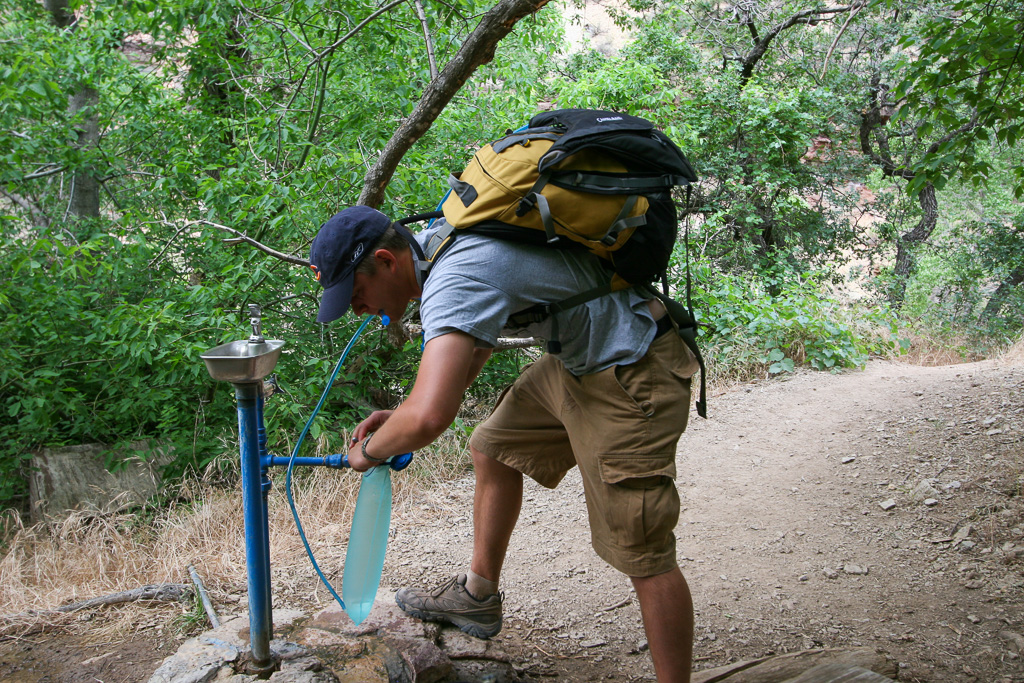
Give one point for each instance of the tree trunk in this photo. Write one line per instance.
(85, 193)
(58, 10)
(999, 297)
(906, 247)
(85, 184)
(478, 50)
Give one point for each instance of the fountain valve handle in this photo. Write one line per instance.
(255, 317)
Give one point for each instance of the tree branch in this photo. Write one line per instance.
(478, 49)
(50, 169)
(38, 217)
(839, 35)
(338, 43)
(321, 95)
(167, 246)
(427, 39)
(755, 54)
(870, 120)
(294, 260)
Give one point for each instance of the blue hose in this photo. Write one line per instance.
(295, 452)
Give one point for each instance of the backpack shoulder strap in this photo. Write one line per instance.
(439, 242)
(687, 324)
(422, 259)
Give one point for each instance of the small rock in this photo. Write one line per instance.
(1014, 640)
(952, 486)
(967, 545)
(974, 584)
(962, 533)
(925, 489)
(973, 619)
(930, 502)
(848, 459)
(855, 569)
(803, 577)
(888, 504)
(458, 645)
(306, 663)
(284, 650)
(369, 669)
(593, 643)
(421, 659)
(830, 573)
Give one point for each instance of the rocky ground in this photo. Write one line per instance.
(882, 508)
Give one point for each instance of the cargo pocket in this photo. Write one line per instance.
(636, 471)
(642, 504)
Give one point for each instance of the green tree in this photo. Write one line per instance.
(957, 90)
(740, 90)
(219, 125)
(965, 75)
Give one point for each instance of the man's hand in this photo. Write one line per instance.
(370, 424)
(356, 460)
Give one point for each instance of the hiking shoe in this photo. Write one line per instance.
(452, 603)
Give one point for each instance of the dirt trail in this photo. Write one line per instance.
(800, 529)
(783, 536)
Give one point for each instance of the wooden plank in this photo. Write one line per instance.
(782, 668)
(839, 673)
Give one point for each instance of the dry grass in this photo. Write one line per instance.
(87, 555)
(931, 350)
(1015, 354)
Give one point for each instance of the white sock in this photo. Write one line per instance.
(479, 587)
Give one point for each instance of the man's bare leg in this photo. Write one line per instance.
(496, 504)
(667, 610)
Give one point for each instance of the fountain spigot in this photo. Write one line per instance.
(255, 319)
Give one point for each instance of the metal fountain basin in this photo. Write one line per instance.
(243, 360)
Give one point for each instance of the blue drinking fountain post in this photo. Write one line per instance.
(245, 363)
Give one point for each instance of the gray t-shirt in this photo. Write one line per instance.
(480, 281)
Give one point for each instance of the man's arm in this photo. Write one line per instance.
(480, 357)
(450, 363)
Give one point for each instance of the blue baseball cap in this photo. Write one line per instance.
(343, 241)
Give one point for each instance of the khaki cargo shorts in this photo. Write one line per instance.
(620, 426)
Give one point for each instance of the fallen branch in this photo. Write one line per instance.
(204, 597)
(412, 332)
(161, 592)
(617, 605)
(33, 621)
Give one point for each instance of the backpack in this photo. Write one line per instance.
(578, 178)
